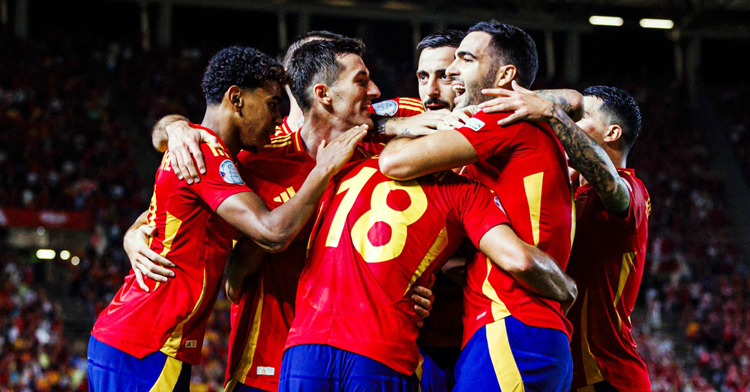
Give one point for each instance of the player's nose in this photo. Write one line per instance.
(373, 90)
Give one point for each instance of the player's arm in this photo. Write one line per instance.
(570, 101)
(143, 260)
(405, 158)
(530, 266)
(420, 124)
(183, 141)
(275, 230)
(244, 262)
(584, 153)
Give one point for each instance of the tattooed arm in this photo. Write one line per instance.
(590, 159)
(570, 101)
(421, 124)
(584, 154)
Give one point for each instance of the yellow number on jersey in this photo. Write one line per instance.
(379, 211)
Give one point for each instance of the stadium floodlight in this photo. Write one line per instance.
(75, 260)
(65, 255)
(665, 24)
(598, 20)
(45, 254)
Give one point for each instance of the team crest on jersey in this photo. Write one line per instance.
(385, 108)
(229, 173)
(475, 124)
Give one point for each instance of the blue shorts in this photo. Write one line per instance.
(431, 377)
(113, 370)
(508, 355)
(316, 367)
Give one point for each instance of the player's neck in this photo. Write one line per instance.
(617, 157)
(214, 121)
(316, 129)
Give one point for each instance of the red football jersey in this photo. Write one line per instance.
(283, 129)
(608, 270)
(397, 107)
(260, 323)
(373, 239)
(172, 317)
(525, 165)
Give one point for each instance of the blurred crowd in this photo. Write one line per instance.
(70, 112)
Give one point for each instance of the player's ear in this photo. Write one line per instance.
(505, 75)
(322, 94)
(234, 95)
(614, 132)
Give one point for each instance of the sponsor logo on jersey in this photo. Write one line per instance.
(266, 371)
(191, 344)
(385, 108)
(475, 124)
(229, 173)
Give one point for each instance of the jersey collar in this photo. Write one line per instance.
(212, 133)
(299, 145)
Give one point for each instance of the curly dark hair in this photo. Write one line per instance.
(317, 61)
(619, 108)
(511, 45)
(239, 66)
(440, 39)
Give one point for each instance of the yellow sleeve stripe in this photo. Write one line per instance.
(413, 101)
(411, 107)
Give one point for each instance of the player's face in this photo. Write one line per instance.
(435, 87)
(260, 115)
(473, 69)
(594, 122)
(353, 92)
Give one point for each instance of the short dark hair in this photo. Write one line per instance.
(305, 38)
(511, 45)
(619, 108)
(317, 61)
(440, 39)
(239, 66)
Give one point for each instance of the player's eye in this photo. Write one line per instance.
(422, 77)
(445, 77)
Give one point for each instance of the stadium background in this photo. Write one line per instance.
(81, 84)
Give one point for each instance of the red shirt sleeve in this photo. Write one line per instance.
(639, 207)
(222, 179)
(397, 107)
(478, 209)
(490, 139)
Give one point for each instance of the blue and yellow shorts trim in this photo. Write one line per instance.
(509, 356)
(113, 370)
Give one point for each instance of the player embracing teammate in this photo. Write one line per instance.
(354, 325)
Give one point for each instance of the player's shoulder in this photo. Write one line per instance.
(482, 122)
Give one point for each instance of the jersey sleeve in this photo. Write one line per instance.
(222, 179)
(479, 210)
(397, 107)
(488, 138)
(640, 203)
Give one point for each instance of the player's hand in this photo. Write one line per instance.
(422, 297)
(458, 118)
(144, 260)
(184, 145)
(332, 157)
(525, 105)
(421, 124)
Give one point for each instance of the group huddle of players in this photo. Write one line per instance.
(348, 210)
